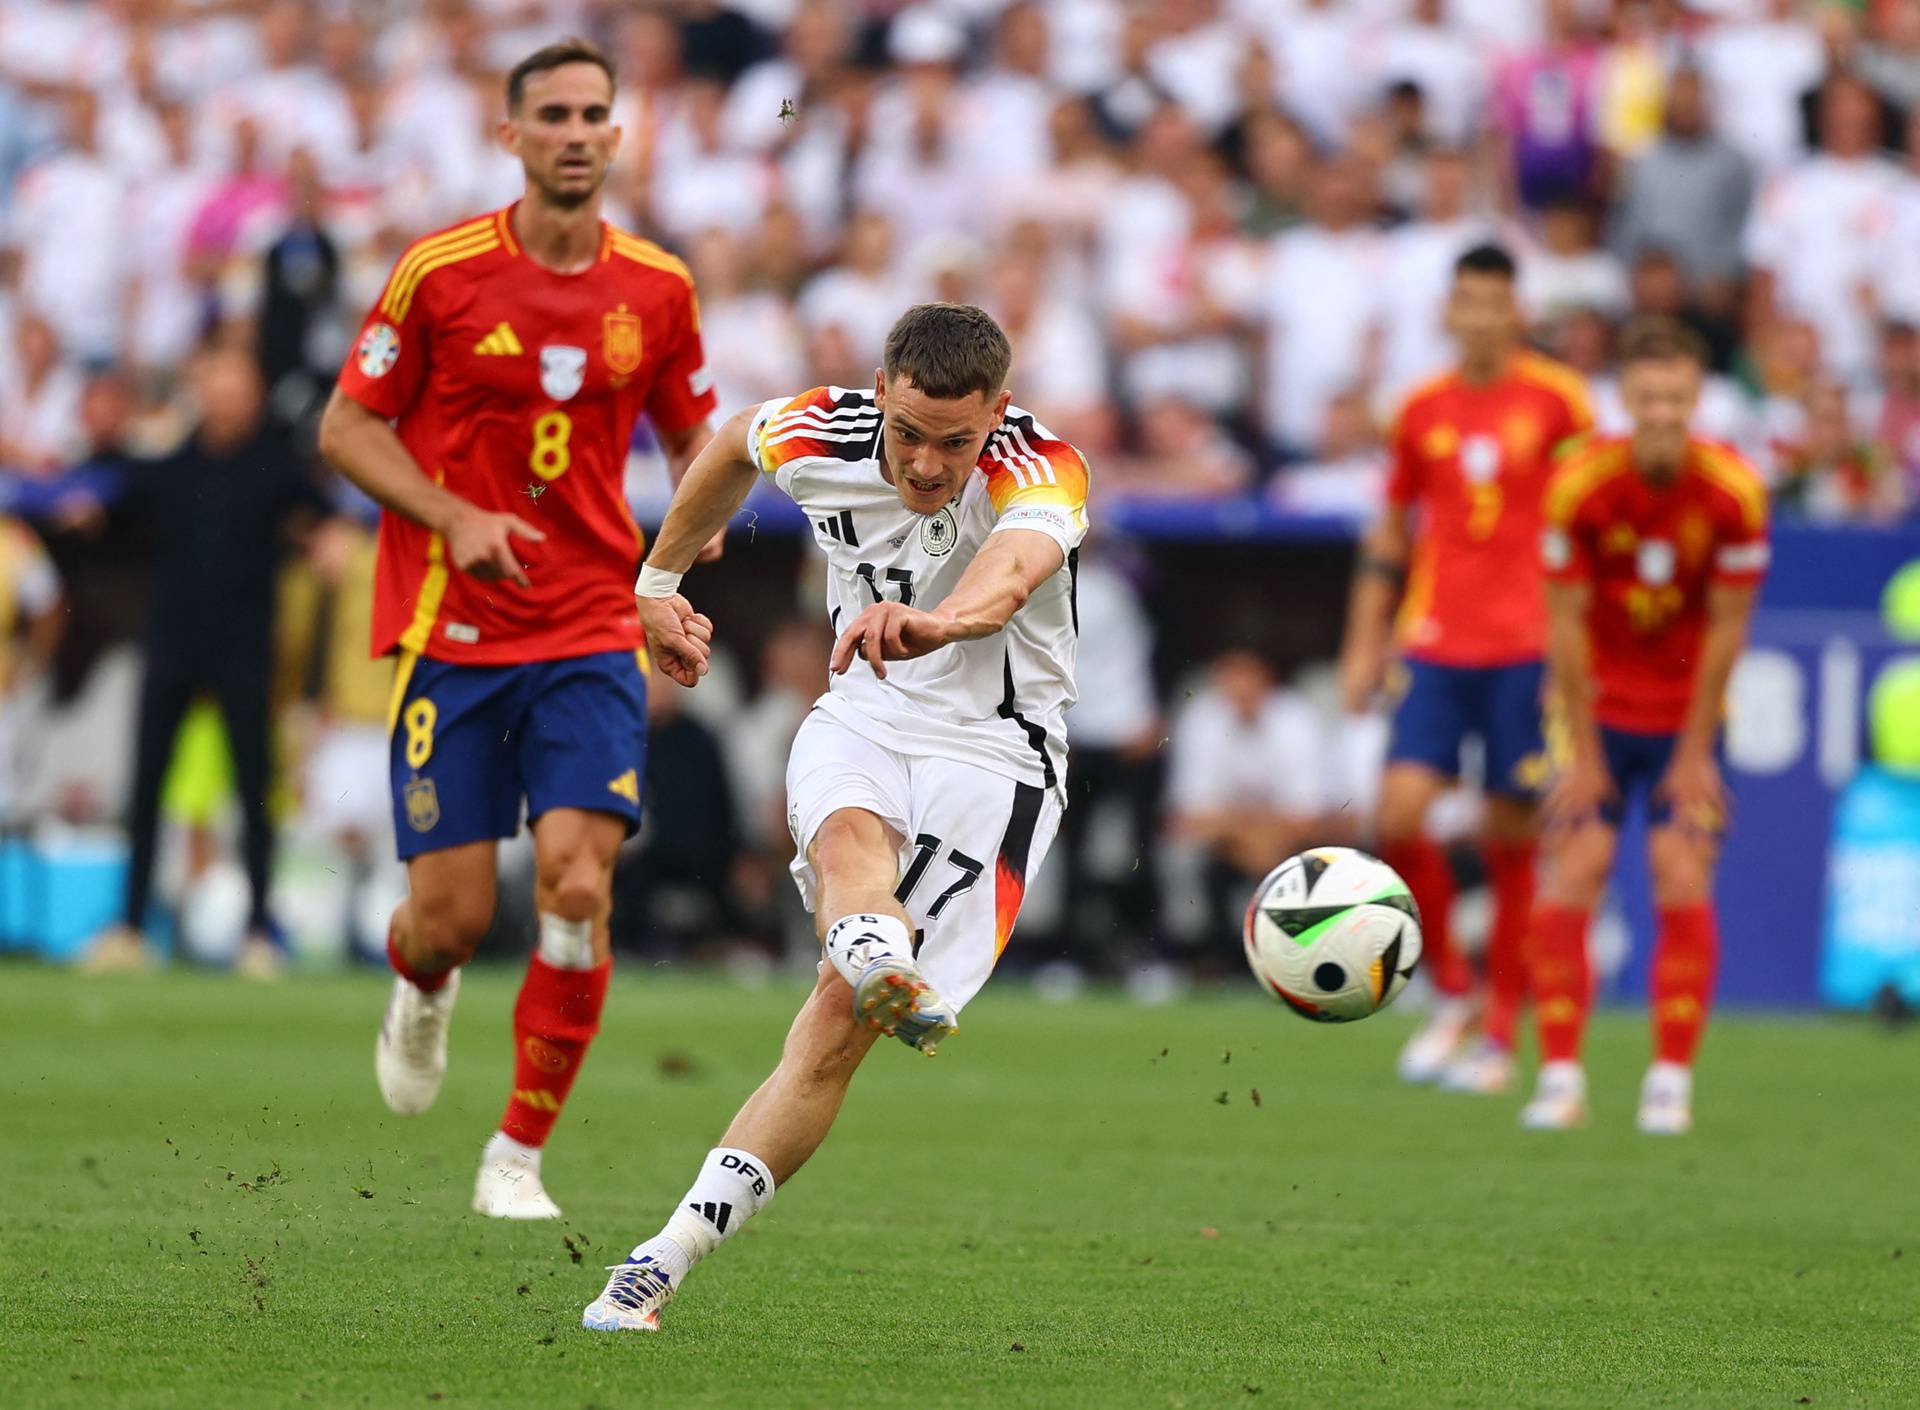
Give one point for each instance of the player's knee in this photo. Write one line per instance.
(1578, 867)
(1681, 869)
(852, 847)
(575, 883)
(1405, 797)
(447, 930)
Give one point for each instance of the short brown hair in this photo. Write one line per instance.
(948, 351)
(1657, 339)
(556, 55)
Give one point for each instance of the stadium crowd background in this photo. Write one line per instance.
(1219, 233)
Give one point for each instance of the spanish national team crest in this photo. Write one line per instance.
(423, 805)
(1480, 459)
(1654, 563)
(621, 345)
(939, 533)
(378, 351)
(562, 370)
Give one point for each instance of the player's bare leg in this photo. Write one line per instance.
(558, 1011)
(449, 905)
(1686, 951)
(1485, 1067)
(1578, 859)
(1408, 791)
(855, 860)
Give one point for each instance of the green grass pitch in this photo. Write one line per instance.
(206, 1205)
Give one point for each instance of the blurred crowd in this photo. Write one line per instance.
(1219, 233)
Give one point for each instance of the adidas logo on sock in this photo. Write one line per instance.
(715, 1214)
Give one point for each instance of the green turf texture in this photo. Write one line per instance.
(206, 1205)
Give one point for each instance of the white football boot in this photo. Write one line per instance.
(1559, 1100)
(1483, 1070)
(410, 1056)
(508, 1185)
(633, 1297)
(1666, 1100)
(892, 997)
(1425, 1056)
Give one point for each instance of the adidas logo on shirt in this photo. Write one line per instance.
(501, 342)
(715, 1214)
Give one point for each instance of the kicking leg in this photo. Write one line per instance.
(558, 1011)
(855, 861)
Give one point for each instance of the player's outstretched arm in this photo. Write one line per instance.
(1002, 576)
(1377, 579)
(362, 446)
(714, 487)
(1693, 785)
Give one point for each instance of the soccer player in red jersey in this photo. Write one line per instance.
(488, 407)
(1472, 452)
(1655, 547)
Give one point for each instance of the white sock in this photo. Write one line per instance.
(854, 942)
(566, 944)
(733, 1186)
(504, 1147)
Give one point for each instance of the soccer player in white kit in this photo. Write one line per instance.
(926, 785)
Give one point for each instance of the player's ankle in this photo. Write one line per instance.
(856, 941)
(732, 1187)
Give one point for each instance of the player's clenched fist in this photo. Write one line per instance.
(678, 637)
(887, 631)
(481, 544)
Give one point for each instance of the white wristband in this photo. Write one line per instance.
(656, 582)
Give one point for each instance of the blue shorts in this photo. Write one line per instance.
(1637, 763)
(468, 743)
(1501, 704)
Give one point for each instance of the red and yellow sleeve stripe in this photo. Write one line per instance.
(1576, 480)
(1026, 466)
(1729, 472)
(475, 237)
(789, 431)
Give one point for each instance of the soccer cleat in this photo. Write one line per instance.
(892, 998)
(410, 1057)
(1559, 1101)
(1425, 1056)
(1666, 1100)
(508, 1185)
(119, 949)
(1483, 1070)
(632, 1299)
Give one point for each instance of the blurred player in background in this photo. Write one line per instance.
(1471, 454)
(1655, 547)
(512, 355)
(924, 789)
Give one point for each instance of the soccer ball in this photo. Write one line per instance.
(1333, 933)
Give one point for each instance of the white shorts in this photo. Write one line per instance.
(970, 841)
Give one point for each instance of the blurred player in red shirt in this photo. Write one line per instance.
(1655, 547)
(1472, 452)
(488, 406)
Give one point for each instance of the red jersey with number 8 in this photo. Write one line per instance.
(517, 388)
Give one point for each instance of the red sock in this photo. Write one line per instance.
(1510, 872)
(425, 983)
(1562, 980)
(557, 1014)
(1684, 959)
(1424, 867)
